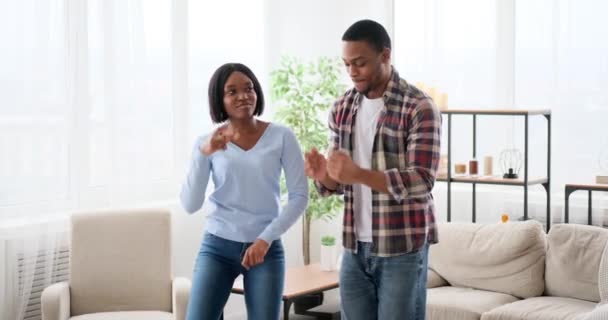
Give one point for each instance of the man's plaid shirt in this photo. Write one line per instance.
(406, 148)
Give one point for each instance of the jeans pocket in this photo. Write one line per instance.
(276, 251)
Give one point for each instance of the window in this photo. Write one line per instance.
(88, 112)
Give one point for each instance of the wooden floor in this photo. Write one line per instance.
(236, 306)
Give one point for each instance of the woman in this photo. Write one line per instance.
(244, 156)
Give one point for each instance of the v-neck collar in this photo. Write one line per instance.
(256, 143)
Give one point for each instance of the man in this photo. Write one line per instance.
(385, 144)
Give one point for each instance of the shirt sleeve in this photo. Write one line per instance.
(422, 153)
(334, 144)
(297, 189)
(192, 195)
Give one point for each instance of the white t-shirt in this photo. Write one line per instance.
(364, 133)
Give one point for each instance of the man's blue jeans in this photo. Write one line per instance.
(383, 288)
(219, 263)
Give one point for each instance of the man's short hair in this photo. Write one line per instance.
(369, 31)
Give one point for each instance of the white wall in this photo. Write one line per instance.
(308, 29)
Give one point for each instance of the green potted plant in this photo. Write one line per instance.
(302, 93)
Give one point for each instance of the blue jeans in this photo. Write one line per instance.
(383, 288)
(219, 263)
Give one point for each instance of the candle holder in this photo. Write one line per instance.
(460, 169)
(473, 167)
(487, 166)
(510, 163)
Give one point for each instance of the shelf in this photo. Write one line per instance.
(498, 112)
(590, 186)
(498, 179)
(492, 180)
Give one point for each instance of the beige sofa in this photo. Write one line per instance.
(515, 271)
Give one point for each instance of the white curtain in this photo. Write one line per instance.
(100, 101)
(86, 116)
(542, 54)
(86, 121)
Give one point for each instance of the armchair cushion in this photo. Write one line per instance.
(121, 261)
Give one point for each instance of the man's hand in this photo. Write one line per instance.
(315, 165)
(342, 168)
(255, 254)
(219, 140)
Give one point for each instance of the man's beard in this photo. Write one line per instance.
(364, 91)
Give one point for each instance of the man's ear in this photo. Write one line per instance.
(386, 55)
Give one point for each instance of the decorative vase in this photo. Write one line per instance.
(329, 257)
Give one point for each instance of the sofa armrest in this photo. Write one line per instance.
(599, 313)
(434, 279)
(55, 302)
(181, 295)
(603, 275)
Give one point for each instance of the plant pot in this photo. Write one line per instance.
(329, 257)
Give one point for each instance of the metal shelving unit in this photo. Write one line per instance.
(526, 181)
(569, 188)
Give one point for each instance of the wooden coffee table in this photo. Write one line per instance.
(300, 281)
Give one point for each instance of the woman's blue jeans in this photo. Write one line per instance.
(219, 263)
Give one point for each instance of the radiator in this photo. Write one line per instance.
(34, 259)
(49, 266)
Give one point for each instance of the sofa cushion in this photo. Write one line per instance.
(453, 303)
(434, 280)
(126, 315)
(574, 253)
(506, 257)
(541, 308)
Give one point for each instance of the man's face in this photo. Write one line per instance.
(364, 65)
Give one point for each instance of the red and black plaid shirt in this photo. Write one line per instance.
(406, 148)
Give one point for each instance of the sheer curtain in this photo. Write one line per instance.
(100, 101)
(86, 121)
(35, 145)
(545, 54)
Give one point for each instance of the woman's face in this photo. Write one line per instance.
(239, 96)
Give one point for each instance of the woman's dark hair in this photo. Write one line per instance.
(369, 31)
(216, 90)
